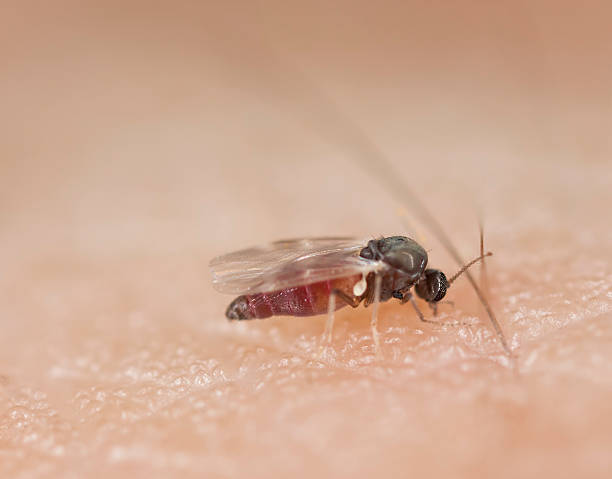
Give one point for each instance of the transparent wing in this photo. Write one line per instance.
(289, 263)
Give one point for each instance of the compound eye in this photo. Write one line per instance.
(432, 286)
(441, 287)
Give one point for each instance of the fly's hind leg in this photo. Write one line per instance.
(352, 301)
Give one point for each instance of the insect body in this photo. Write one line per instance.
(307, 300)
(305, 277)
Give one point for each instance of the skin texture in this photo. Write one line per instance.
(139, 142)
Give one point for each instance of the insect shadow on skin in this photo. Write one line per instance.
(308, 277)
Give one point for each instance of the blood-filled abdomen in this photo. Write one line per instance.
(306, 300)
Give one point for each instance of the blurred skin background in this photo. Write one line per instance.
(140, 140)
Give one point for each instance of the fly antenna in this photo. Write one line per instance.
(467, 265)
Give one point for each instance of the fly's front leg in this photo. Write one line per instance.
(434, 306)
(419, 314)
(352, 301)
(409, 297)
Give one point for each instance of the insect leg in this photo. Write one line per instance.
(374, 322)
(409, 297)
(331, 308)
(434, 306)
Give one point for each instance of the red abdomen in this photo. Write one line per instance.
(307, 300)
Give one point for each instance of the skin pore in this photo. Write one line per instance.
(139, 145)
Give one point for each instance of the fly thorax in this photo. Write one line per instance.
(403, 281)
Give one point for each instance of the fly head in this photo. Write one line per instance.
(432, 285)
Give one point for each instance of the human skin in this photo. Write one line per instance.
(137, 145)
